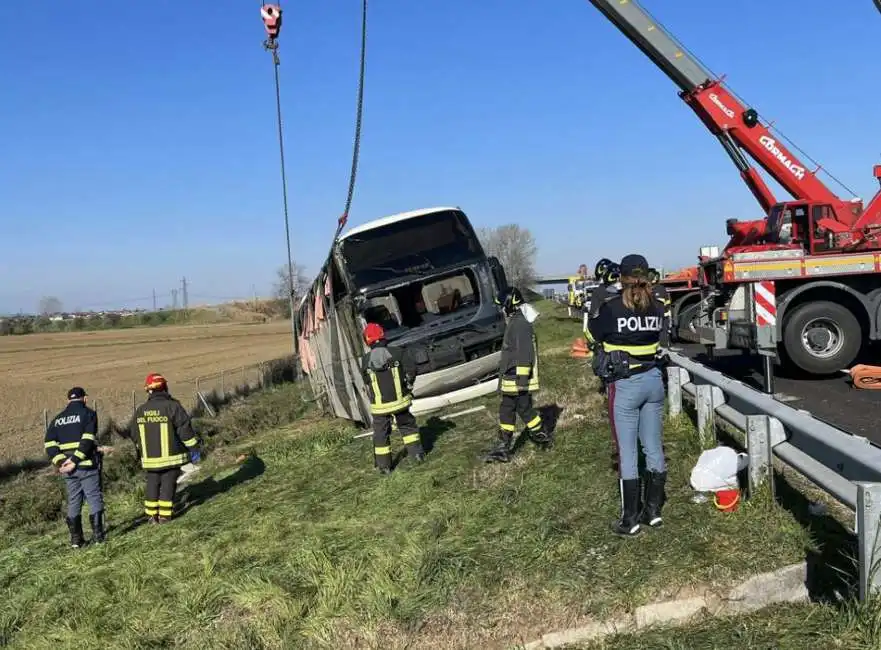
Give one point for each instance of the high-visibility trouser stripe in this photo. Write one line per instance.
(57, 458)
(385, 408)
(412, 438)
(534, 423)
(166, 508)
(522, 371)
(161, 463)
(510, 386)
(635, 350)
(151, 507)
(506, 427)
(382, 451)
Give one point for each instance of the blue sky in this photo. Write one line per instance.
(138, 149)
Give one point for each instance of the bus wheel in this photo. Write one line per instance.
(821, 337)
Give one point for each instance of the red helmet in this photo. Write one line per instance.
(155, 381)
(373, 333)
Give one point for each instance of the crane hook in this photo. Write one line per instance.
(271, 15)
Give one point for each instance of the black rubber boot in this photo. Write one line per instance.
(75, 526)
(628, 524)
(501, 453)
(419, 458)
(541, 438)
(97, 521)
(385, 471)
(654, 498)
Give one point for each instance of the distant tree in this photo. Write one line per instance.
(50, 305)
(516, 249)
(6, 326)
(42, 324)
(281, 289)
(112, 320)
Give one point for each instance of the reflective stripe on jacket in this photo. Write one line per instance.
(518, 366)
(163, 432)
(72, 435)
(389, 375)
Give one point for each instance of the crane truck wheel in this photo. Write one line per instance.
(821, 337)
(687, 321)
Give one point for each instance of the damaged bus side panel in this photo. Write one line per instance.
(424, 277)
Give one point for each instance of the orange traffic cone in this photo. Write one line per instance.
(579, 349)
(727, 500)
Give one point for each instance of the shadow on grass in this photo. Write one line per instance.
(198, 493)
(11, 470)
(832, 568)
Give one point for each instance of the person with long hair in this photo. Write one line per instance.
(629, 327)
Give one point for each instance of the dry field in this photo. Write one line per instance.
(37, 369)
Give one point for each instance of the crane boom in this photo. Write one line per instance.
(655, 42)
(736, 126)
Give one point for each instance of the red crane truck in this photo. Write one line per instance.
(804, 283)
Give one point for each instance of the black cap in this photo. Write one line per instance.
(76, 393)
(634, 265)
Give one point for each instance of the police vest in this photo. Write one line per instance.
(636, 333)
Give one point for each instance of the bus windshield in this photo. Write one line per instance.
(415, 246)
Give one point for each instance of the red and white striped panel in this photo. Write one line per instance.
(766, 303)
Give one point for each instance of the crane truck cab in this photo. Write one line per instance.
(425, 278)
(805, 288)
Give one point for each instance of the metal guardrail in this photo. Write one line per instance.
(847, 467)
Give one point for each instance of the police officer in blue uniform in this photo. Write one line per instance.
(72, 447)
(629, 328)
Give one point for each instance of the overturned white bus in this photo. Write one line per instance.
(424, 277)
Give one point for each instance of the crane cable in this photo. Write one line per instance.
(356, 146)
(272, 19)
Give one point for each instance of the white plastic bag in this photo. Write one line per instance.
(717, 469)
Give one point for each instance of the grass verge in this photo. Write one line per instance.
(294, 541)
(781, 627)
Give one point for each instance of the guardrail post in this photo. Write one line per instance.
(763, 433)
(676, 378)
(869, 537)
(222, 385)
(706, 398)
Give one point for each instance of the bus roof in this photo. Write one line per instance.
(402, 216)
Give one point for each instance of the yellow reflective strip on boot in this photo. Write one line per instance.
(382, 451)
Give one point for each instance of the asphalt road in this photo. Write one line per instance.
(834, 400)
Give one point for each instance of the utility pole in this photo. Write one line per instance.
(154, 300)
(174, 299)
(186, 301)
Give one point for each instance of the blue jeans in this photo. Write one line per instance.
(84, 484)
(636, 412)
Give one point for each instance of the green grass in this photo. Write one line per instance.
(303, 545)
(781, 627)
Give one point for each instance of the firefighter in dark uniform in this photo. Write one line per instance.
(518, 379)
(72, 447)
(661, 294)
(630, 327)
(163, 433)
(608, 273)
(389, 374)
